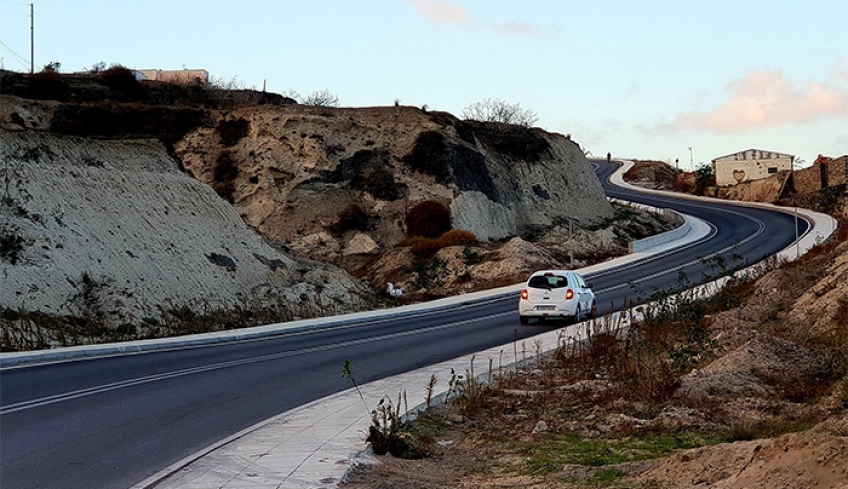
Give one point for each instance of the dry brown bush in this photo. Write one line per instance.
(457, 237)
(429, 219)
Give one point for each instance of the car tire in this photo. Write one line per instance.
(524, 319)
(577, 315)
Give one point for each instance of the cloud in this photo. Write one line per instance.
(441, 12)
(840, 71)
(765, 98)
(519, 29)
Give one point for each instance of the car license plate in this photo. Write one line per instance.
(545, 308)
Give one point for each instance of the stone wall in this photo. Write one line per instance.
(809, 179)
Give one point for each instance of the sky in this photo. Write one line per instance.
(673, 80)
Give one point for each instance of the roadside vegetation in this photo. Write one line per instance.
(696, 371)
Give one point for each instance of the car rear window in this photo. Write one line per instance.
(548, 282)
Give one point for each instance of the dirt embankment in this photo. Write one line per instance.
(747, 389)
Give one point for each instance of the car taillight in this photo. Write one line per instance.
(524, 294)
(569, 294)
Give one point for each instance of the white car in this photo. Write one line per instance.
(556, 294)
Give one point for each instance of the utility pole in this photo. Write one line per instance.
(31, 39)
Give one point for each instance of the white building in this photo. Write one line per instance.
(749, 165)
(185, 76)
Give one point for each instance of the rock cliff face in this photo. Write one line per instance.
(291, 170)
(121, 215)
(331, 184)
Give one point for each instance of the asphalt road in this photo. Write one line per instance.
(112, 422)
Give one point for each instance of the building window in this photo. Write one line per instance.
(772, 169)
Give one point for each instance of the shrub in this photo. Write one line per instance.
(122, 81)
(382, 185)
(422, 246)
(497, 110)
(457, 237)
(110, 119)
(323, 98)
(12, 243)
(519, 142)
(49, 85)
(352, 217)
(224, 173)
(428, 155)
(429, 219)
(428, 272)
(232, 131)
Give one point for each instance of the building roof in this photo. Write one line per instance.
(753, 149)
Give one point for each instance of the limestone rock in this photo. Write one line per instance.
(362, 244)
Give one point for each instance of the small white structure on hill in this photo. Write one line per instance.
(184, 77)
(748, 165)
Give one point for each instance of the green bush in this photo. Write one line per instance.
(429, 219)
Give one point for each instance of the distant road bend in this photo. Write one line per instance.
(111, 422)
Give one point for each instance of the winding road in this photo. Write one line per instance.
(113, 421)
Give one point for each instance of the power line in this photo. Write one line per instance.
(41, 22)
(24, 61)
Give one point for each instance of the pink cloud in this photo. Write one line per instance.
(765, 98)
(519, 28)
(441, 12)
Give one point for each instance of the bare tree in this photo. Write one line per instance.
(322, 99)
(497, 110)
(292, 94)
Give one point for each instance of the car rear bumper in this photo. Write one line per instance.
(567, 310)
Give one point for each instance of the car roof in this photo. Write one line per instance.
(553, 272)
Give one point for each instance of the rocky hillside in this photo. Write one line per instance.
(119, 219)
(110, 194)
(292, 170)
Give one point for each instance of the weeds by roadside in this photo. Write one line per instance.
(588, 413)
